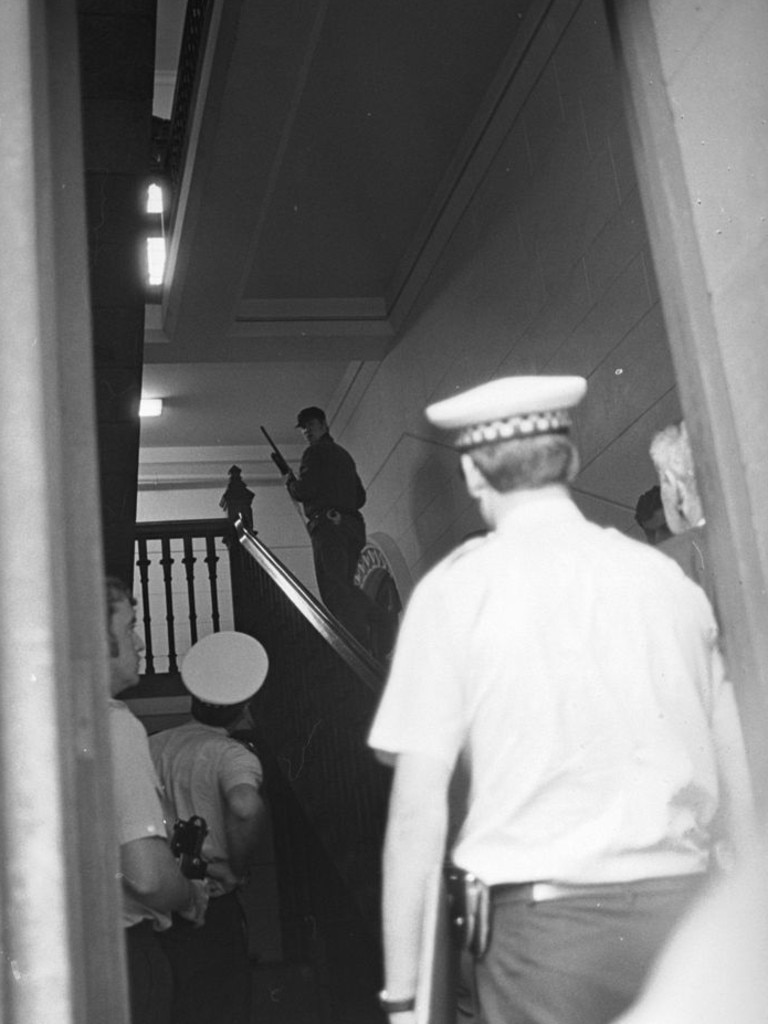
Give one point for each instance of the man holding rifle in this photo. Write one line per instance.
(332, 495)
(576, 672)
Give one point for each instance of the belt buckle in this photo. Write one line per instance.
(542, 892)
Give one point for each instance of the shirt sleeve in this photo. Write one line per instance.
(422, 707)
(361, 495)
(307, 484)
(138, 809)
(239, 767)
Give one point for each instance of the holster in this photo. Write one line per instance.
(469, 910)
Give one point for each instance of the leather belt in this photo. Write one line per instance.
(542, 892)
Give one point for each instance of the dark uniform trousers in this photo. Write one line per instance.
(150, 981)
(336, 546)
(212, 977)
(575, 960)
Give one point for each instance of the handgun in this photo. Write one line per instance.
(187, 845)
(276, 456)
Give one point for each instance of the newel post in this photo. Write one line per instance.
(237, 500)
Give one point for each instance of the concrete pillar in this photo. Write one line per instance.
(59, 900)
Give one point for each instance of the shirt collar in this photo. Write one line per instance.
(540, 507)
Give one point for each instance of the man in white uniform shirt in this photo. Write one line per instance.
(207, 774)
(153, 887)
(578, 673)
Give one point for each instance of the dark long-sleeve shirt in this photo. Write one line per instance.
(327, 479)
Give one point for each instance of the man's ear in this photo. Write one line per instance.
(474, 479)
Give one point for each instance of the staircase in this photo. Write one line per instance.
(326, 793)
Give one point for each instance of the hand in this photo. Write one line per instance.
(220, 878)
(195, 912)
(288, 478)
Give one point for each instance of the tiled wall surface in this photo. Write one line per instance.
(548, 270)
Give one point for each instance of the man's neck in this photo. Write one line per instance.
(504, 505)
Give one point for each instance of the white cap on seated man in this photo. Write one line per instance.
(205, 773)
(225, 669)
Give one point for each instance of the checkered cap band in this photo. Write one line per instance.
(529, 425)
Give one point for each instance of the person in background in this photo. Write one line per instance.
(576, 672)
(672, 457)
(332, 495)
(204, 773)
(649, 516)
(153, 886)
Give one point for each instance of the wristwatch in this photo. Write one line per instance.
(395, 1005)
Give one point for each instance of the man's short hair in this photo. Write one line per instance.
(671, 450)
(312, 412)
(218, 715)
(116, 591)
(671, 454)
(529, 462)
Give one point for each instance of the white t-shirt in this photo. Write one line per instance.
(580, 671)
(197, 765)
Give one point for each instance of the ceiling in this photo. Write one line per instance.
(325, 142)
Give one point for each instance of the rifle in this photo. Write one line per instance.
(277, 456)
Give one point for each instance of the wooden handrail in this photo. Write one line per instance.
(369, 670)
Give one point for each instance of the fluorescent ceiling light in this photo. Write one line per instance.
(150, 407)
(155, 260)
(154, 199)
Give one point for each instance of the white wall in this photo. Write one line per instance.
(548, 270)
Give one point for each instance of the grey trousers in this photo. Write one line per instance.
(577, 960)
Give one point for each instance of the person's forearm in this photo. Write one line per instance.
(305, 485)
(174, 893)
(242, 839)
(413, 851)
(243, 823)
(151, 874)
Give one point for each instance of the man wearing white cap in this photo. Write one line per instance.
(575, 671)
(207, 774)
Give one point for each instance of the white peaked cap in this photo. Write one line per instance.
(225, 668)
(509, 407)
